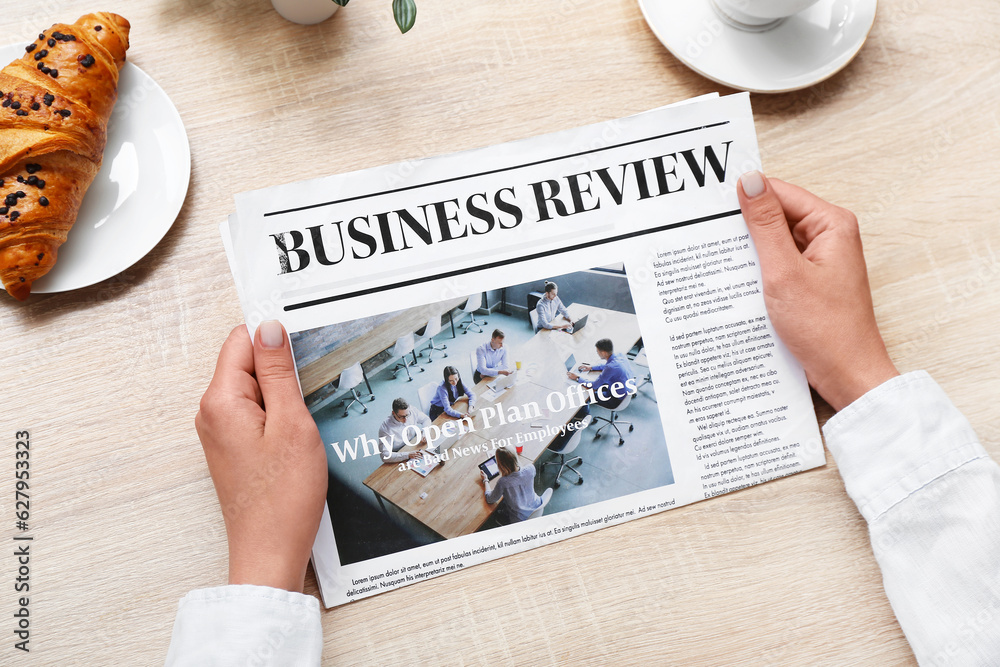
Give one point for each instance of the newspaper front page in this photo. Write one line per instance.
(513, 345)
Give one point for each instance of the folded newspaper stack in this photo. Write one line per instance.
(650, 367)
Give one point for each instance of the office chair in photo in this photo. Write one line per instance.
(350, 379)
(533, 318)
(431, 329)
(546, 497)
(404, 346)
(424, 396)
(474, 363)
(474, 303)
(565, 463)
(614, 420)
(642, 360)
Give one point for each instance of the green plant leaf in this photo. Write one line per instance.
(405, 13)
(342, 3)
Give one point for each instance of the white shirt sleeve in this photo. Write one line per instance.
(482, 365)
(246, 625)
(931, 496)
(543, 314)
(562, 310)
(385, 436)
(422, 420)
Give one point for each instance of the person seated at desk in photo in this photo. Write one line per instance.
(448, 393)
(491, 358)
(615, 370)
(516, 487)
(392, 431)
(549, 308)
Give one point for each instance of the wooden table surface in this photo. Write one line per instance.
(108, 378)
(455, 502)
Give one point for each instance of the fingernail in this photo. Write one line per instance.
(271, 334)
(753, 183)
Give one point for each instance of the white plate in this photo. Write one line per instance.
(803, 50)
(136, 195)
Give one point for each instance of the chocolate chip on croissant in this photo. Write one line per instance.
(56, 102)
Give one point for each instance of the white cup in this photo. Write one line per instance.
(756, 14)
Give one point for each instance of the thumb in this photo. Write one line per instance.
(275, 370)
(767, 224)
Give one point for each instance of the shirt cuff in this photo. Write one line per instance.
(244, 624)
(896, 439)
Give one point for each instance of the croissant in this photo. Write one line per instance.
(56, 101)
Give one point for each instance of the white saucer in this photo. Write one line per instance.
(803, 50)
(136, 195)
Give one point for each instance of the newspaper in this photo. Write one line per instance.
(649, 378)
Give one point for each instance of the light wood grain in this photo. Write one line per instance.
(108, 378)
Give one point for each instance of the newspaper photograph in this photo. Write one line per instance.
(513, 345)
(444, 398)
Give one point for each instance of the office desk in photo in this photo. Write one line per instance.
(543, 356)
(454, 504)
(327, 369)
(522, 397)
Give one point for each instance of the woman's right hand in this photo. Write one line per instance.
(269, 468)
(816, 287)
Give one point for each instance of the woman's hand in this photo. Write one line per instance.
(266, 458)
(816, 287)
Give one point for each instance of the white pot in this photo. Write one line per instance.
(306, 12)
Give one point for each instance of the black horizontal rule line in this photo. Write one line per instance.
(508, 262)
(493, 171)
